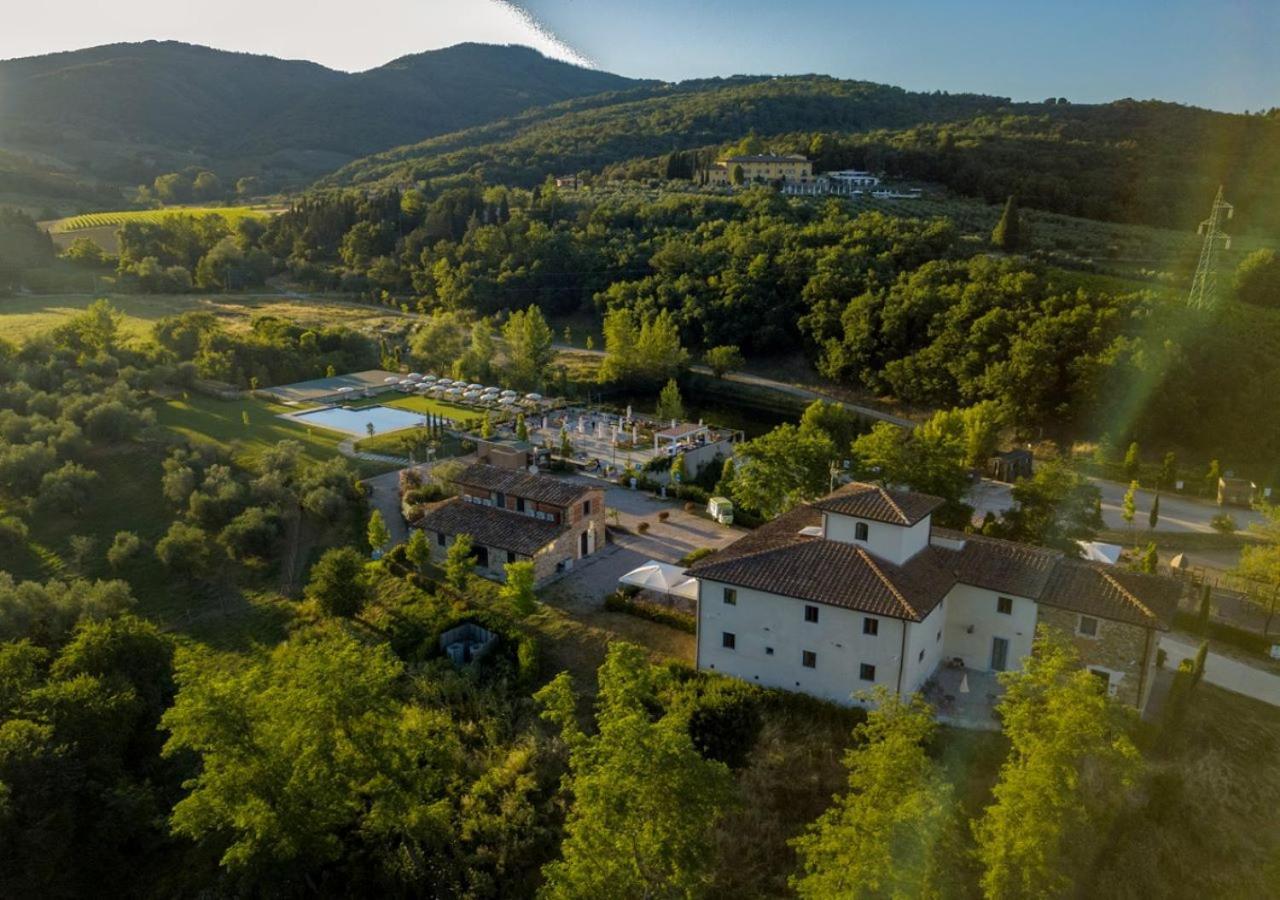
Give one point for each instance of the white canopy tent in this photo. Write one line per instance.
(1096, 551)
(662, 578)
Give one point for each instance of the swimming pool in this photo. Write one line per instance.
(357, 421)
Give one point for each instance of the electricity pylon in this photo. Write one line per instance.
(1204, 287)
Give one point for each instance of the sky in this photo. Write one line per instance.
(1220, 55)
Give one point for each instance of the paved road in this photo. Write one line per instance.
(783, 387)
(1225, 672)
(1178, 513)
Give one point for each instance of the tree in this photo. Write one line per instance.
(644, 801)
(522, 428)
(459, 562)
(880, 839)
(670, 405)
(377, 533)
(1150, 561)
(338, 584)
(1169, 471)
(832, 419)
(477, 361)
(1202, 613)
(1153, 517)
(782, 468)
(981, 425)
(418, 549)
(1056, 507)
(309, 758)
(929, 459)
(438, 340)
(738, 175)
(528, 346)
(517, 590)
(185, 550)
(1007, 234)
(1070, 764)
(639, 351)
(1132, 462)
(678, 471)
(1212, 477)
(723, 359)
(1257, 279)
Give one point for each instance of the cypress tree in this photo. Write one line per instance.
(1008, 231)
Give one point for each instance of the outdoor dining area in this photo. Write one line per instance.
(664, 584)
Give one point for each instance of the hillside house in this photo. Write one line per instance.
(860, 589)
(513, 516)
(760, 167)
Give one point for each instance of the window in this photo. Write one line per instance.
(586, 507)
(920, 658)
(939, 637)
(520, 504)
(731, 596)
(860, 531)
(811, 613)
(1088, 626)
(809, 659)
(871, 626)
(768, 651)
(511, 556)
(867, 672)
(1004, 606)
(440, 538)
(728, 640)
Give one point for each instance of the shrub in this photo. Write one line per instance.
(724, 718)
(694, 555)
(663, 516)
(13, 531)
(690, 506)
(621, 602)
(643, 527)
(1224, 523)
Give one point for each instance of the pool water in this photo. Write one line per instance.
(357, 421)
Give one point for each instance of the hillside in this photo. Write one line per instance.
(1141, 162)
(124, 113)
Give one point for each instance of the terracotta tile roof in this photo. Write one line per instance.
(1003, 566)
(870, 501)
(491, 526)
(780, 560)
(539, 488)
(1110, 592)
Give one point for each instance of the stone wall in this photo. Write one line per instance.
(1126, 652)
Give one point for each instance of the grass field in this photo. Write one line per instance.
(232, 214)
(25, 316)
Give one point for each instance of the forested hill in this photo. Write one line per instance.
(128, 112)
(1144, 162)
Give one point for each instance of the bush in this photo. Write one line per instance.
(124, 549)
(663, 516)
(643, 527)
(694, 555)
(621, 602)
(13, 531)
(690, 506)
(1224, 523)
(724, 718)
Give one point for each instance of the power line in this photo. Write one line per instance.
(1204, 286)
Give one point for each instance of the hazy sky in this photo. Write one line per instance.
(1222, 54)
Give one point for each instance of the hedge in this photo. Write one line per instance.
(620, 602)
(1228, 634)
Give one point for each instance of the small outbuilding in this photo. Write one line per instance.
(1010, 465)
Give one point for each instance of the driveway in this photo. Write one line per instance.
(1178, 513)
(586, 584)
(1223, 671)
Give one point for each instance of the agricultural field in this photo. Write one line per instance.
(101, 227)
(25, 316)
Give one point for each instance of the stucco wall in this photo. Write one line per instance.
(760, 621)
(925, 639)
(976, 608)
(895, 543)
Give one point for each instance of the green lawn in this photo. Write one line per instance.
(222, 422)
(416, 403)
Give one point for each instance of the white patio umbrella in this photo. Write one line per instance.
(964, 683)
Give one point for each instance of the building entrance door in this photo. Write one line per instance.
(999, 654)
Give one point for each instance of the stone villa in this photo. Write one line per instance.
(512, 515)
(860, 589)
